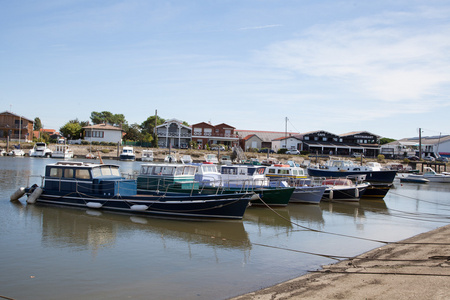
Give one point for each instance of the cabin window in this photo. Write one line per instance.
(115, 171)
(144, 170)
(294, 172)
(157, 170)
(82, 174)
(168, 171)
(189, 171)
(68, 173)
(271, 171)
(56, 172)
(106, 170)
(284, 172)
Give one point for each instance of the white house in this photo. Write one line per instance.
(289, 143)
(431, 146)
(174, 134)
(103, 133)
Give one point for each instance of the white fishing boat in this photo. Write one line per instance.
(429, 175)
(62, 151)
(16, 152)
(211, 158)
(127, 154)
(147, 155)
(40, 149)
(186, 159)
(170, 158)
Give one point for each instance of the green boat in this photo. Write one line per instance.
(179, 178)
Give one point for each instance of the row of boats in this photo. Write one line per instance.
(202, 190)
(40, 149)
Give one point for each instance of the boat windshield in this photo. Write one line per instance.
(105, 171)
(209, 169)
(341, 163)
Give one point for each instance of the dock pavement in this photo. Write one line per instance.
(415, 268)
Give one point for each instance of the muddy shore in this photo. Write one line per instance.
(416, 268)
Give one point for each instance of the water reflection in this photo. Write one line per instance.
(309, 214)
(94, 230)
(356, 209)
(268, 217)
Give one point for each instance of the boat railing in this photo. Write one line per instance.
(89, 187)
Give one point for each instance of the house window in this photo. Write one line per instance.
(306, 138)
(208, 131)
(197, 131)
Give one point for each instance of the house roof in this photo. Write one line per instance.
(426, 140)
(286, 137)
(358, 132)
(103, 127)
(265, 136)
(250, 136)
(171, 121)
(10, 113)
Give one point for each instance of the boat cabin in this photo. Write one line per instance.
(238, 175)
(159, 176)
(280, 171)
(147, 155)
(208, 175)
(87, 178)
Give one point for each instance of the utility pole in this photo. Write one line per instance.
(420, 143)
(285, 133)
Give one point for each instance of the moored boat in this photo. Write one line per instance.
(429, 175)
(40, 149)
(147, 155)
(295, 176)
(127, 154)
(343, 189)
(344, 168)
(62, 151)
(100, 186)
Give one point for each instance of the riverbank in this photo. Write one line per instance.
(416, 268)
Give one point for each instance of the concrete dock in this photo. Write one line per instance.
(416, 268)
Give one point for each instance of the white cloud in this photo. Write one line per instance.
(390, 58)
(260, 27)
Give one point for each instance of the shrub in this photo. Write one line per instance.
(380, 157)
(83, 142)
(282, 151)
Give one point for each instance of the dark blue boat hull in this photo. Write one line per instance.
(231, 206)
(371, 176)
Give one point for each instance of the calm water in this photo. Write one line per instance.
(53, 253)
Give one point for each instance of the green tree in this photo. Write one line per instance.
(149, 125)
(107, 117)
(133, 133)
(37, 124)
(72, 129)
(386, 141)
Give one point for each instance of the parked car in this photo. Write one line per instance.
(429, 158)
(293, 151)
(265, 150)
(442, 159)
(222, 148)
(356, 154)
(413, 158)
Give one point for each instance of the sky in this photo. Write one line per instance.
(339, 66)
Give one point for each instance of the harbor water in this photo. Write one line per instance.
(50, 252)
